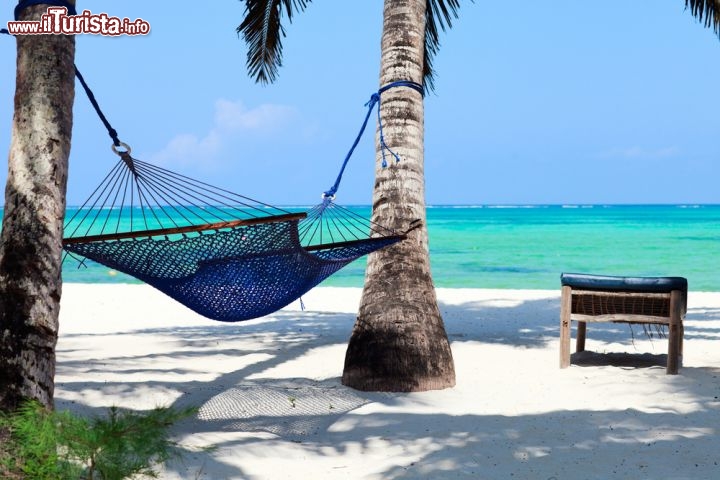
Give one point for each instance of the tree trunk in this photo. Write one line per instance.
(399, 341)
(31, 239)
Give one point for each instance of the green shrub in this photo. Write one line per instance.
(59, 445)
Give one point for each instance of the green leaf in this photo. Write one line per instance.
(263, 32)
(439, 15)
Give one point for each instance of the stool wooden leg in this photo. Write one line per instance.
(580, 341)
(682, 337)
(675, 333)
(682, 310)
(565, 307)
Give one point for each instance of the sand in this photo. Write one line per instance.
(271, 405)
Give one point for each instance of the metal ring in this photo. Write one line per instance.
(123, 145)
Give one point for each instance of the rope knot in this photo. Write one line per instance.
(374, 98)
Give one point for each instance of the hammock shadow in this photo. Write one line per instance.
(292, 408)
(201, 359)
(447, 445)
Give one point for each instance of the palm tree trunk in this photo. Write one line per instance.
(399, 341)
(31, 239)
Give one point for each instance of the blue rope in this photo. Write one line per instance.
(111, 131)
(374, 99)
(55, 3)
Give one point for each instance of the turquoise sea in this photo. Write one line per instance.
(529, 246)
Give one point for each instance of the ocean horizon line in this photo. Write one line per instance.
(493, 205)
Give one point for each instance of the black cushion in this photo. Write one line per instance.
(623, 284)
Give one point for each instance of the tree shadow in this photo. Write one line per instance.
(589, 358)
(626, 443)
(292, 336)
(508, 321)
(231, 372)
(536, 322)
(123, 377)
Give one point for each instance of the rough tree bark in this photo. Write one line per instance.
(31, 239)
(399, 341)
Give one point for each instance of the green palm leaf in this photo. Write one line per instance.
(438, 16)
(262, 31)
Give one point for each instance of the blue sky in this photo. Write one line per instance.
(536, 102)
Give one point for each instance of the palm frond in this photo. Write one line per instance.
(439, 15)
(706, 11)
(263, 32)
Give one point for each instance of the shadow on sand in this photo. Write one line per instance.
(306, 410)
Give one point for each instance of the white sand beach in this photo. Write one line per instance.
(272, 406)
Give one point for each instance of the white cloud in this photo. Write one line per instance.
(640, 153)
(235, 117)
(188, 148)
(230, 120)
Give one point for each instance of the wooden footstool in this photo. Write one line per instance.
(644, 300)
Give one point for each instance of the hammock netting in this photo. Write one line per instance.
(223, 255)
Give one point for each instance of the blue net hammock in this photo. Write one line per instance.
(223, 255)
(229, 259)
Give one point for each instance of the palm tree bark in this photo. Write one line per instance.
(31, 239)
(399, 341)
